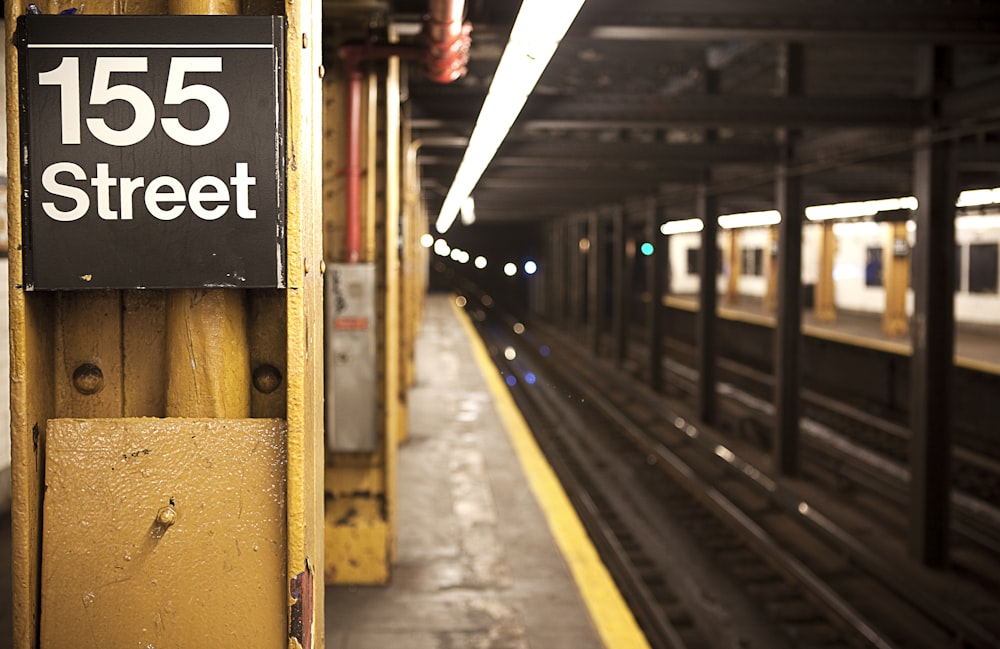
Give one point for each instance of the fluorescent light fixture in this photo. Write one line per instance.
(510, 269)
(985, 222)
(857, 228)
(480, 262)
(539, 27)
(974, 197)
(859, 208)
(683, 226)
(468, 211)
(749, 219)
(530, 267)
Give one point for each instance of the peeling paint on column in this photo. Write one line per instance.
(301, 589)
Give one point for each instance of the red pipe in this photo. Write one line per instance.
(445, 57)
(353, 165)
(448, 38)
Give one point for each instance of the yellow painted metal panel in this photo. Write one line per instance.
(896, 279)
(357, 536)
(164, 533)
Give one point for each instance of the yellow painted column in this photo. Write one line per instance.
(895, 279)
(224, 384)
(824, 307)
(361, 486)
(733, 282)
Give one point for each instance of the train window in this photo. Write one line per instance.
(752, 261)
(983, 268)
(694, 256)
(873, 266)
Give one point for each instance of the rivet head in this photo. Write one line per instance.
(266, 378)
(166, 516)
(88, 379)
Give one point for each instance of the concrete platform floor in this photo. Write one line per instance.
(478, 567)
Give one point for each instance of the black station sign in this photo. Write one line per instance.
(152, 151)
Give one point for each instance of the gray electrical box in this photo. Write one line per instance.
(350, 357)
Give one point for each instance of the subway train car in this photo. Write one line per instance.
(857, 267)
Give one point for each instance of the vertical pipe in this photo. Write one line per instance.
(933, 325)
(708, 300)
(353, 184)
(788, 197)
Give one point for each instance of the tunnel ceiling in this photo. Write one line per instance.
(623, 113)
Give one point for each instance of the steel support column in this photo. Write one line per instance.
(594, 281)
(933, 325)
(708, 263)
(621, 286)
(654, 323)
(577, 271)
(788, 198)
(557, 281)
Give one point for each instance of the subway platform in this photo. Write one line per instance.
(490, 553)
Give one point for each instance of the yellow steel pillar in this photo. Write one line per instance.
(733, 282)
(824, 307)
(361, 486)
(198, 410)
(771, 296)
(895, 279)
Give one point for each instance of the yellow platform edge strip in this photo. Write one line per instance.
(610, 614)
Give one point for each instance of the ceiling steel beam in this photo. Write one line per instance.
(643, 111)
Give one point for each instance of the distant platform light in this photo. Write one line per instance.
(518, 328)
(509, 353)
(584, 244)
(544, 350)
(511, 380)
(480, 262)
(510, 269)
(530, 378)
(460, 301)
(427, 240)
(683, 226)
(646, 248)
(530, 267)
(442, 248)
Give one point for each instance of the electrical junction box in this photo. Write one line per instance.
(350, 357)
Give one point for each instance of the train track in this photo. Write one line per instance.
(648, 481)
(847, 447)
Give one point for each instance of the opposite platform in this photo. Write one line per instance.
(478, 563)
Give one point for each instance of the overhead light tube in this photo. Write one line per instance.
(539, 27)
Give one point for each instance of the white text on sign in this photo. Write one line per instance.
(165, 197)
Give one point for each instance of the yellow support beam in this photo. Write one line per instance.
(895, 279)
(166, 367)
(735, 268)
(360, 514)
(824, 308)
